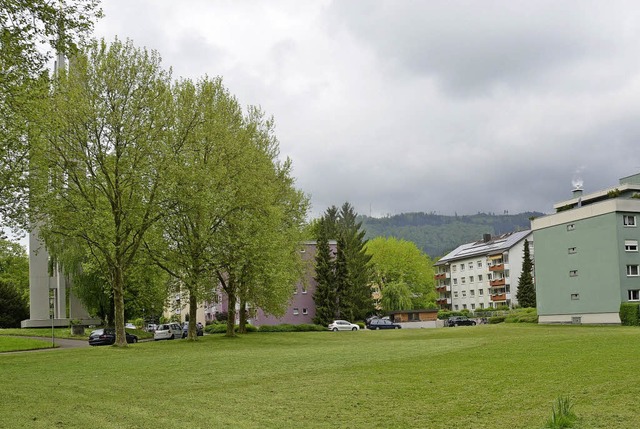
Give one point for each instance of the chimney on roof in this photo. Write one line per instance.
(486, 238)
(577, 193)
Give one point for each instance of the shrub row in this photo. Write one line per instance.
(221, 328)
(630, 314)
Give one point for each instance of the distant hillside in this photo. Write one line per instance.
(437, 235)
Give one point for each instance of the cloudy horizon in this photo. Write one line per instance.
(408, 106)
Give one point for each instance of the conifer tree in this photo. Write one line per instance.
(325, 278)
(526, 294)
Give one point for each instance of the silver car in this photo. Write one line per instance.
(343, 325)
(167, 331)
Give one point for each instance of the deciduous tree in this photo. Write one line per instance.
(99, 166)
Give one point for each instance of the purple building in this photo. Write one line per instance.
(301, 309)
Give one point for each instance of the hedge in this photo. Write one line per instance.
(629, 313)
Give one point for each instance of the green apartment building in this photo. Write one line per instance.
(586, 259)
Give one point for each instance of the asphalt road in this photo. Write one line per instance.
(61, 343)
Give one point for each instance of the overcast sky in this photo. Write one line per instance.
(401, 106)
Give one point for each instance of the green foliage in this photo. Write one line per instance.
(445, 314)
(343, 289)
(438, 234)
(526, 294)
(396, 295)
(304, 327)
(99, 164)
(522, 315)
(221, 328)
(562, 415)
(630, 313)
(399, 262)
(497, 319)
(29, 31)
(13, 306)
(14, 267)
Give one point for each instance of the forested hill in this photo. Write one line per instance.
(437, 234)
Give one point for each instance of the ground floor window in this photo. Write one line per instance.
(295, 311)
(632, 270)
(634, 294)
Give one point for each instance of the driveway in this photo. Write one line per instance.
(61, 343)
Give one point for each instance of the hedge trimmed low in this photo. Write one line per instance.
(630, 313)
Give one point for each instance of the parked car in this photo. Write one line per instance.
(129, 326)
(460, 321)
(107, 337)
(382, 324)
(167, 331)
(199, 329)
(343, 325)
(151, 327)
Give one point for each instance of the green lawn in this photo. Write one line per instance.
(489, 376)
(11, 344)
(62, 333)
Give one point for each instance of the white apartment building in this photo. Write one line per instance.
(482, 274)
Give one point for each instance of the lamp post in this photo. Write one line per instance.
(52, 301)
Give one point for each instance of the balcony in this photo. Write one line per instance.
(498, 267)
(443, 288)
(501, 297)
(443, 301)
(498, 282)
(442, 276)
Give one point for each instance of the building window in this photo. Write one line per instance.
(634, 294)
(453, 268)
(572, 250)
(471, 265)
(463, 280)
(470, 279)
(304, 289)
(455, 294)
(455, 281)
(464, 306)
(573, 273)
(479, 277)
(480, 292)
(575, 296)
(461, 267)
(479, 264)
(472, 292)
(295, 311)
(481, 304)
(632, 270)
(473, 306)
(304, 311)
(571, 227)
(628, 220)
(631, 245)
(456, 306)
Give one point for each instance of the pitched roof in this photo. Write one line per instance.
(495, 245)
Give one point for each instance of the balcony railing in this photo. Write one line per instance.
(498, 267)
(443, 288)
(499, 297)
(441, 301)
(442, 276)
(498, 282)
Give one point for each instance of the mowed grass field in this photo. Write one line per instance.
(489, 376)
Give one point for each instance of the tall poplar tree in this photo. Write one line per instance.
(526, 294)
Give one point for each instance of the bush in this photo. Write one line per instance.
(305, 327)
(445, 314)
(629, 312)
(522, 315)
(496, 319)
(13, 306)
(221, 328)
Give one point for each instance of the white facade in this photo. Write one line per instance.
(482, 274)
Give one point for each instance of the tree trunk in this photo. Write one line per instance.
(242, 327)
(118, 301)
(193, 308)
(231, 320)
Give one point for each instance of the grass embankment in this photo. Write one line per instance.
(490, 376)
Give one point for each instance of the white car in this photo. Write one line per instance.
(167, 331)
(343, 325)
